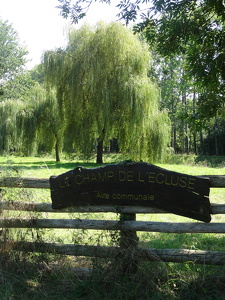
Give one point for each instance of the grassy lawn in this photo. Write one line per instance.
(33, 276)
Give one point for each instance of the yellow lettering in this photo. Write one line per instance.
(190, 183)
(110, 174)
(87, 178)
(122, 176)
(183, 182)
(130, 197)
(67, 181)
(93, 177)
(151, 177)
(78, 179)
(166, 181)
(102, 177)
(174, 182)
(130, 175)
(139, 177)
(151, 197)
(157, 178)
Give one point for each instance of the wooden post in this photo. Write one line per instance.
(129, 242)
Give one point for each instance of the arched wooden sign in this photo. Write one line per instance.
(133, 184)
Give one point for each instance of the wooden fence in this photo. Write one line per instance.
(127, 226)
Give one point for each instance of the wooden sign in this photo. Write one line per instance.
(139, 184)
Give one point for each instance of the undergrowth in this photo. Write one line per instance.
(51, 276)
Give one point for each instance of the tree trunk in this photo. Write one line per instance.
(128, 241)
(187, 141)
(216, 137)
(100, 152)
(201, 143)
(57, 158)
(175, 139)
(195, 143)
(100, 147)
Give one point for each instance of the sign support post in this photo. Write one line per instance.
(129, 242)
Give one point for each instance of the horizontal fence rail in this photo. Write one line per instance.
(157, 255)
(130, 226)
(23, 182)
(167, 227)
(47, 207)
(43, 183)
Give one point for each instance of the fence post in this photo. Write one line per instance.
(128, 242)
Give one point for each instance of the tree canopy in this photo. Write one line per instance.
(103, 92)
(193, 28)
(12, 55)
(12, 61)
(38, 123)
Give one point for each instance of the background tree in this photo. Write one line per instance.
(103, 92)
(38, 124)
(12, 55)
(17, 87)
(194, 28)
(14, 83)
(9, 138)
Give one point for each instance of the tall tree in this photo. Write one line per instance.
(17, 87)
(194, 28)
(12, 55)
(38, 123)
(12, 61)
(103, 91)
(8, 129)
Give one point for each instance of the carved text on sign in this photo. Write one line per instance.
(133, 184)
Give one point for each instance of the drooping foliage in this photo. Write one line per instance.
(103, 92)
(190, 27)
(8, 127)
(38, 123)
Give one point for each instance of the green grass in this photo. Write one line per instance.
(43, 167)
(35, 276)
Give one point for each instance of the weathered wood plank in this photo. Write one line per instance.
(47, 207)
(134, 183)
(160, 255)
(217, 181)
(167, 227)
(23, 182)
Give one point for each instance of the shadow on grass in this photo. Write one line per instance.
(50, 164)
(211, 161)
(153, 281)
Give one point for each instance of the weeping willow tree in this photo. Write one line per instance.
(103, 91)
(38, 123)
(9, 138)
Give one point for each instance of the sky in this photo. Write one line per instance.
(40, 26)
